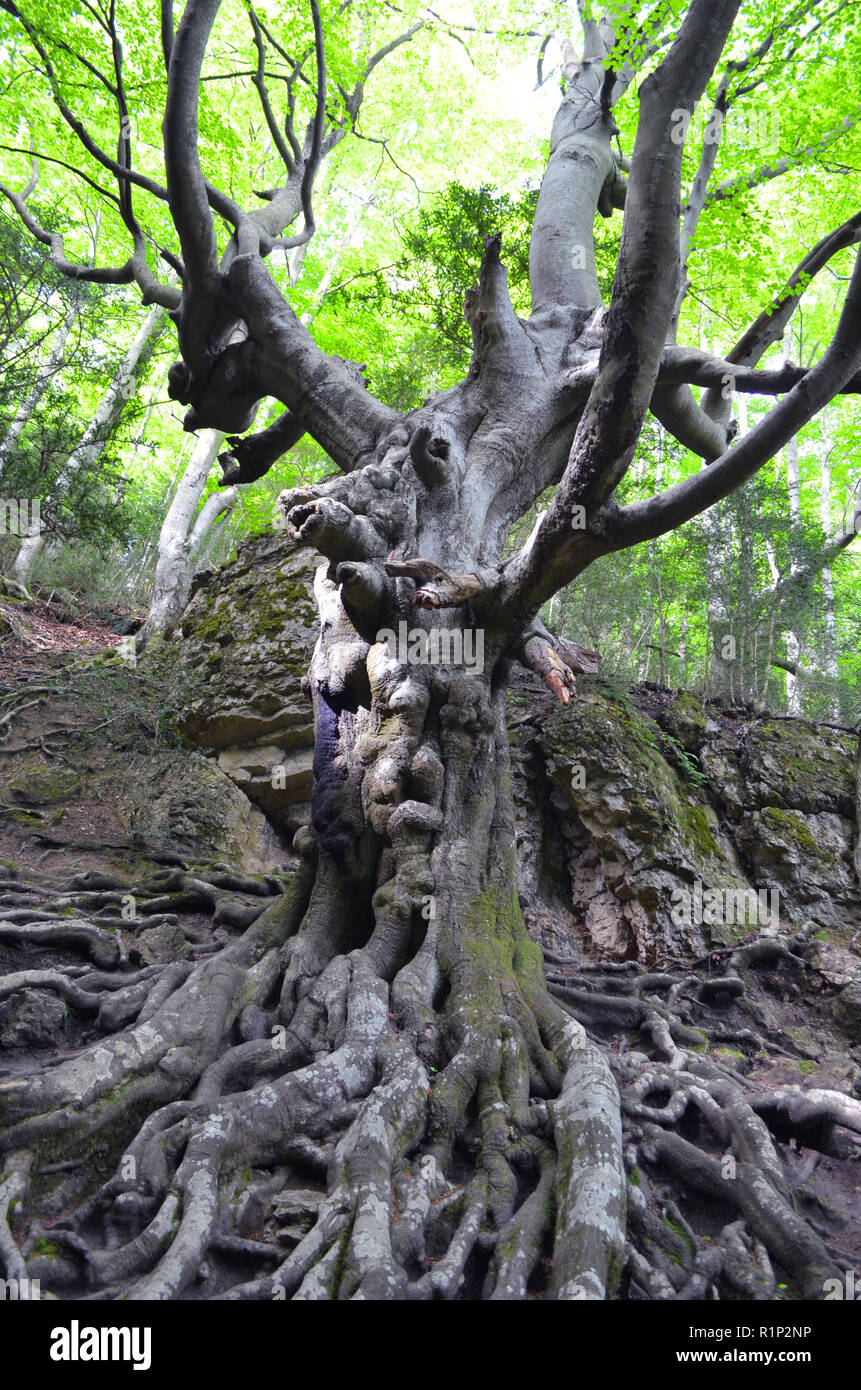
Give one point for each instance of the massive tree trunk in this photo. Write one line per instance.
(385, 1030)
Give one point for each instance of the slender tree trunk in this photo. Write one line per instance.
(857, 853)
(40, 385)
(723, 642)
(655, 565)
(96, 435)
(773, 615)
(829, 637)
(176, 546)
(724, 626)
(793, 643)
(28, 406)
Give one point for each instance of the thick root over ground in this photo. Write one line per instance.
(446, 1130)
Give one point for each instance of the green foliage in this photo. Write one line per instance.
(448, 149)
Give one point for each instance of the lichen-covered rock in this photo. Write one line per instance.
(799, 766)
(248, 634)
(807, 858)
(40, 784)
(846, 1010)
(247, 639)
(276, 779)
(836, 966)
(161, 944)
(786, 790)
(637, 833)
(33, 1018)
(184, 802)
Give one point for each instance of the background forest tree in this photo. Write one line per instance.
(484, 411)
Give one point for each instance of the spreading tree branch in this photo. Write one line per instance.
(639, 318)
(766, 172)
(770, 325)
(676, 505)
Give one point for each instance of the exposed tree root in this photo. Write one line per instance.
(439, 1129)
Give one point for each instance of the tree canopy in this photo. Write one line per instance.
(365, 116)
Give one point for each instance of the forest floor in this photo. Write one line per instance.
(75, 711)
(42, 628)
(71, 706)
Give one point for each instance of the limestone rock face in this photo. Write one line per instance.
(632, 806)
(846, 1009)
(786, 790)
(836, 966)
(187, 804)
(247, 637)
(634, 831)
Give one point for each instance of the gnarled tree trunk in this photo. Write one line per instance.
(386, 1024)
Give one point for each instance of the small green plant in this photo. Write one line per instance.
(676, 753)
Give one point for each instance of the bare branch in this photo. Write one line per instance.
(99, 275)
(336, 408)
(312, 163)
(166, 12)
(134, 269)
(436, 587)
(644, 298)
(682, 417)
(766, 172)
(554, 659)
(676, 505)
(769, 327)
(50, 159)
(259, 80)
(186, 186)
(80, 130)
(248, 459)
(701, 369)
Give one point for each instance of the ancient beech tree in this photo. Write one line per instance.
(471, 1131)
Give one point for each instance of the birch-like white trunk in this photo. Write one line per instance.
(793, 644)
(95, 437)
(857, 853)
(726, 636)
(829, 637)
(181, 537)
(26, 409)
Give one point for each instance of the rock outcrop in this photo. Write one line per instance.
(650, 824)
(186, 802)
(247, 638)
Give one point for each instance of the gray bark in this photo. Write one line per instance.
(27, 408)
(94, 438)
(793, 645)
(177, 544)
(829, 637)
